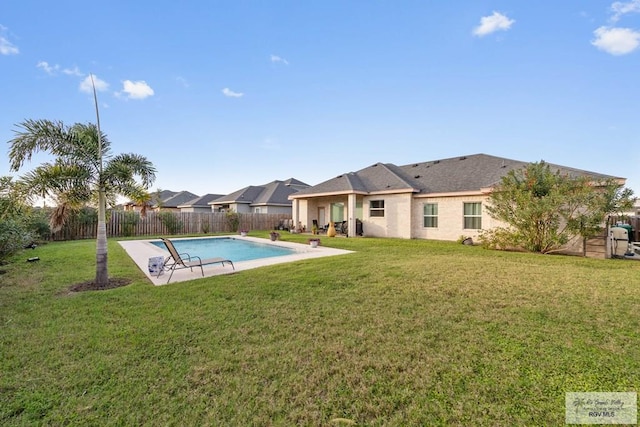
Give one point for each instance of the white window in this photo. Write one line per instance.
(430, 215)
(376, 208)
(337, 212)
(473, 216)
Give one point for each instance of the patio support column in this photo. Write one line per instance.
(295, 214)
(351, 210)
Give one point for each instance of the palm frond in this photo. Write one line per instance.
(140, 196)
(77, 144)
(86, 145)
(125, 167)
(33, 136)
(60, 215)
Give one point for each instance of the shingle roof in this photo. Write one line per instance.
(292, 182)
(273, 193)
(178, 199)
(162, 195)
(157, 198)
(465, 173)
(348, 182)
(244, 195)
(201, 201)
(456, 174)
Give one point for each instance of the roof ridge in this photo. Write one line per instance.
(268, 190)
(396, 174)
(353, 180)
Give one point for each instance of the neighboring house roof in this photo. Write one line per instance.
(275, 193)
(156, 198)
(456, 174)
(297, 184)
(244, 195)
(202, 201)
(159, 196)
(176, 200)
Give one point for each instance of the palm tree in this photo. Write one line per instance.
(84, 169)
(142, 199)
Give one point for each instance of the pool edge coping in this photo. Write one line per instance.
(141, 250)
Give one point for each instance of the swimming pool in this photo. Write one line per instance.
(141, 250)
(228, 248)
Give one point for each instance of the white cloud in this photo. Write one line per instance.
(54, 69)
(86, 86)
(492, 23)
(616, 41)
(6, 47)
(231, 94)
(137, 90)
(276, 58)
(49, 69)
(75, 71)
(620, 8)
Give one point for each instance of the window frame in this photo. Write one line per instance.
(472, 217)
(433, 217)
(379, 210)
(336, 212)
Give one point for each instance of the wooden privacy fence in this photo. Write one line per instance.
(127, 224)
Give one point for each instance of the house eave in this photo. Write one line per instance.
(403, 191)
(286, 205)
(326, 194)
(229, 202)
(481, 192)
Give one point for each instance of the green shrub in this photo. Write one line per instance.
(233, 220)
(171, 221)
(129, 223)
(14, 236)
(544, 208)
(87, 216)
(38, 224)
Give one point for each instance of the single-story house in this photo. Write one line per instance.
(178, 201)
(157, 198)
(271, 198)
(172, 202)
(199, 204)
(439, 199)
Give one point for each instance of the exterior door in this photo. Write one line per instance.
(321, 219)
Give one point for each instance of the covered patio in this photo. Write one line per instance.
(344, 210)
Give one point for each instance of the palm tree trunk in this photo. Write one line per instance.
(102, 273)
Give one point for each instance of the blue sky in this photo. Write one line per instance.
(224, 94)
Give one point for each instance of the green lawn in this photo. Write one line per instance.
(399, 333)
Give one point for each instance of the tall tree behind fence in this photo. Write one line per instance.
(128, 224)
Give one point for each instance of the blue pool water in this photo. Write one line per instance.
(227, 248)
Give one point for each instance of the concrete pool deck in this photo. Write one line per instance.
(141, 250)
